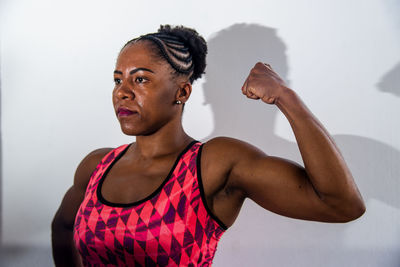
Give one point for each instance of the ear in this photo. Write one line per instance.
(184, 91)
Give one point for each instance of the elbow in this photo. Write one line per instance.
(353, 211)
(56, 222)
(59, 223)
(347, 207)
(357, 207)
(360, 210)
(356, 213)
(56, 225)
(343, 210)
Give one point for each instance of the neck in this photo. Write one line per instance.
(169, 139)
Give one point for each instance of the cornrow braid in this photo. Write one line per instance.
(183, 48)
(173, 50)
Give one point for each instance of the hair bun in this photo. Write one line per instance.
(196, 44)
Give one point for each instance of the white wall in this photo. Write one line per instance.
(342, 57)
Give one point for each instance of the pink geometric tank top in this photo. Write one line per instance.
(171, 227)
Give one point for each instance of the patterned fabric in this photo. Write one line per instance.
(171, 227)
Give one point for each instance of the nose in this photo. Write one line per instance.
(123, 91)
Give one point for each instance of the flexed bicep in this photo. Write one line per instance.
(280, 186)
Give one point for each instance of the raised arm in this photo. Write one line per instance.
(64, 251)
(324, 190)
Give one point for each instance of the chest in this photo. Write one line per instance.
(128, 181)
(172, 228)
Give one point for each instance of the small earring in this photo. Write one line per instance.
(178, 102)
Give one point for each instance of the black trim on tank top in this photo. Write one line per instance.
(158, 190)
(202, 193)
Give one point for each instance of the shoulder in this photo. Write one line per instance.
(230, 149)
(88, 165)
(225, 158)
(74, 196)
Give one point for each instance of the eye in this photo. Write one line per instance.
(117, 81)
(140, 79)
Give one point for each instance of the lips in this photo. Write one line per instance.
(125, 112)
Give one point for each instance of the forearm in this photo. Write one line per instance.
(323, 162)
(64, 250)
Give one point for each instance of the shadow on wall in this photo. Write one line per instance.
(232, 53)
(390, 83)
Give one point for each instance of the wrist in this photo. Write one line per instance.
(291, 104)
(286, 98)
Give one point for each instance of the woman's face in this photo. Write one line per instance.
(144, 92)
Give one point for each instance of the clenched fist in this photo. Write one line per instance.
(263, 83)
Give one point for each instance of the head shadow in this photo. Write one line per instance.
(232, 52)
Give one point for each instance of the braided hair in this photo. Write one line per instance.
(183, 48)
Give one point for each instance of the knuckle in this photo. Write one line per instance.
(259, 64)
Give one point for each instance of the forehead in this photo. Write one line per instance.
(137, 53)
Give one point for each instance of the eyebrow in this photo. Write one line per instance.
(134, 71)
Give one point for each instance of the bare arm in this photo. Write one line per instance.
(324, 190)
(64, 251)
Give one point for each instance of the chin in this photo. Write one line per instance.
(141, 128)
(129, 128)
(132, 131)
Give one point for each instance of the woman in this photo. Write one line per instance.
(166, 199)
